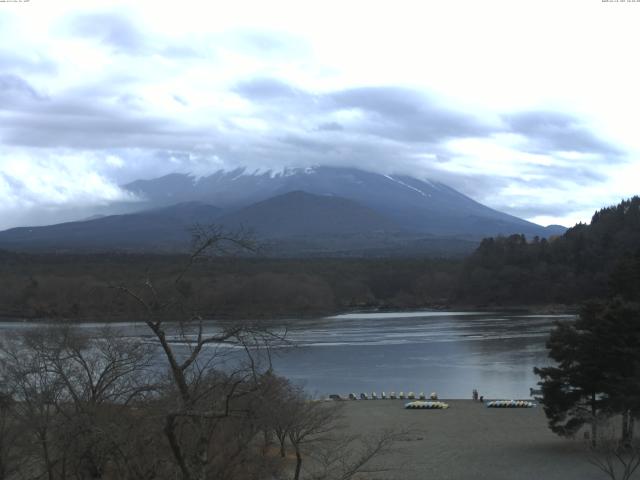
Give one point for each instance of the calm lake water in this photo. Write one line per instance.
(447, 352)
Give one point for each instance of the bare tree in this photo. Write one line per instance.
(343, 457)
(617, 458)
(95, 369)
(310, 420)
(278, 400)
(37, 394)
(317, 434)
(203, 394)
(10, 435)
(315, 430)
(72, 392)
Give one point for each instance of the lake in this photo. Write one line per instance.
(447, 352)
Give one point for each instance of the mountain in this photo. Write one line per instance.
(414, 205)
(314, 211)
(304, 214)
(295, 224)
(158, 229)
(308, 222)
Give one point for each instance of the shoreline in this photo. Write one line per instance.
(551, 309)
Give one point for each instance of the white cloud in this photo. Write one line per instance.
(160, 78)
(53, 182)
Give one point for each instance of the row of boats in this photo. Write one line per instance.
(510, 404)
(492, 404)
(420, 401)
(384, 396)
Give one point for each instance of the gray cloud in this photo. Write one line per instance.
(268, 89)
(484, 188)
(396, 127)
(393, 113)
(15, 90)
(265, 43)
(180, 100)
(111, 29)
(556, 175)
(110, 93)
(553, 131)
(119, 33)
(386, 101)
(181, 52)
(330, 127)
(67, 126)
(90, 132)
(395, 130)
(19, 62)
(310, 144)
(82, 120)
(406, 115)
(476, 185)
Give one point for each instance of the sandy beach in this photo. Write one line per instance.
(470, 441)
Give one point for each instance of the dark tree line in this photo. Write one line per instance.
(78, 286)
(595, 379)
(589, 261)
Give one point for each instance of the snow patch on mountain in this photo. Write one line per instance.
(426, 195)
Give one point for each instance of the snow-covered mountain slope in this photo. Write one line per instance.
(414, 205)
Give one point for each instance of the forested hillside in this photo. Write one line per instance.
(588, 261)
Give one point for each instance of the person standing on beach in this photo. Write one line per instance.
(474, 395)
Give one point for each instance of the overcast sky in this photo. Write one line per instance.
(530, 107)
